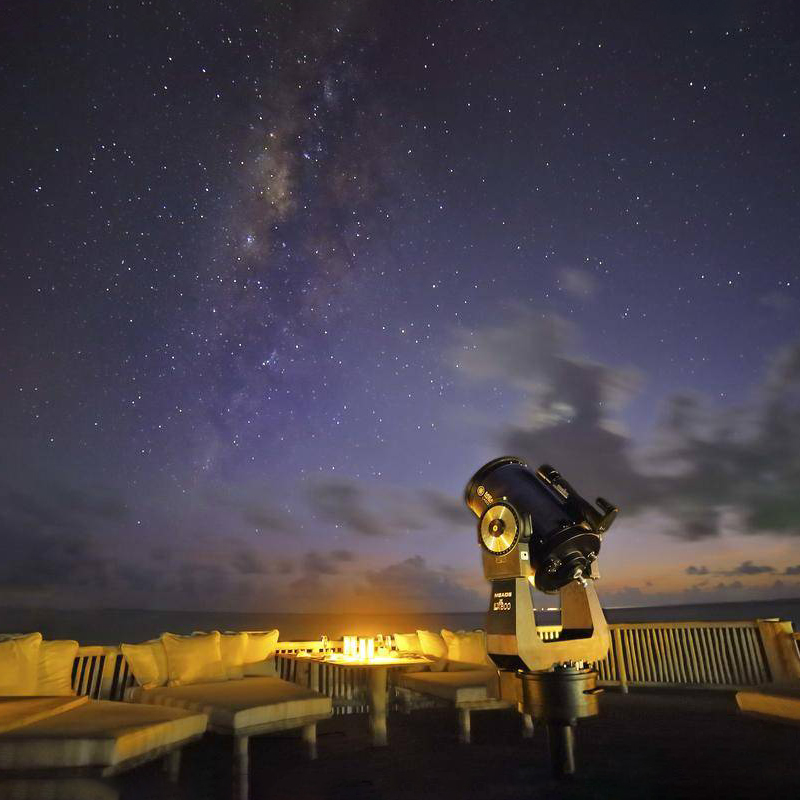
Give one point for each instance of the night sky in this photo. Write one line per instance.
(277, 278)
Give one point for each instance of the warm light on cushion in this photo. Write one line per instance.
(260, 645)
(465, 648)
(432, 644)
(54, 667)
(233, 648)
(407, 642)
(18, 665)
(148, 663)
(261, 669)
(194, 659)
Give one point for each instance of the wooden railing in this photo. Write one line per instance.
(709, 655)
(715, 655)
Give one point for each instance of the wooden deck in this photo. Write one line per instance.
(650, 744)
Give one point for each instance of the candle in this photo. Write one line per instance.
(362, 649)
(370, 649)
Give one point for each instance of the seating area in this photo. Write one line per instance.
(73, 718)
(184, 686)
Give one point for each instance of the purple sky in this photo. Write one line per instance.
(276, 279)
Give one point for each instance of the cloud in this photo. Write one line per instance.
(412, 585)
(701, 592)
(248, 561)
(577, 282)
(60, 547)
(748, 568)
(448, 508)
(255, 512)
(745, 568)
(377, 510)
(52, 536)
(343, 502)
(705, 466)
(315, 563)
(778, 301)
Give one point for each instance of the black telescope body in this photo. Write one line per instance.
(563, 532)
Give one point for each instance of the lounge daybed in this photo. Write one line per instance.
(48, 731)
(780, 703)
(461, 675)
(100, 737)
(242, 696)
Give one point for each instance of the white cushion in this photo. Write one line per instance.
(54, 668)
(260, 645)
(193, 659)
(261, 669)
(236, 705)
(465, 649)
(233, 648)
(98, 733)
(19, 664)
(458, 687)
(407, 642)
(433, 645)
(148, 662)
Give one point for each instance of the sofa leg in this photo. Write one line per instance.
(172, 765)
(463, 726)
(241, 767)
(527, 726)
(310, 738)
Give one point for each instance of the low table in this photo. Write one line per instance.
(377, 672)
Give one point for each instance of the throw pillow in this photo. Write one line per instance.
(194, 659)
(19, 665)
(408, 642)
(466, 650)
(233, 648)
(433, 646)
(54, 668)
(148, 663)
(260, 645)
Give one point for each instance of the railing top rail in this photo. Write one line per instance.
(746, 623)
(84, 651)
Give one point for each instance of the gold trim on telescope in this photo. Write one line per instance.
(499, 531)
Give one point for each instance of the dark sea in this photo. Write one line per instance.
(112, 626)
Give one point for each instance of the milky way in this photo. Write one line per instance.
(277, 278)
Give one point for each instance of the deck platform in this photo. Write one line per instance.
(648, 744)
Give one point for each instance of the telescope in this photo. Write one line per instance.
(535, 530)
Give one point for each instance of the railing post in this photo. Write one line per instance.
(780, 649)
(620, 659)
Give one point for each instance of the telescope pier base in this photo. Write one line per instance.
(561, 741)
